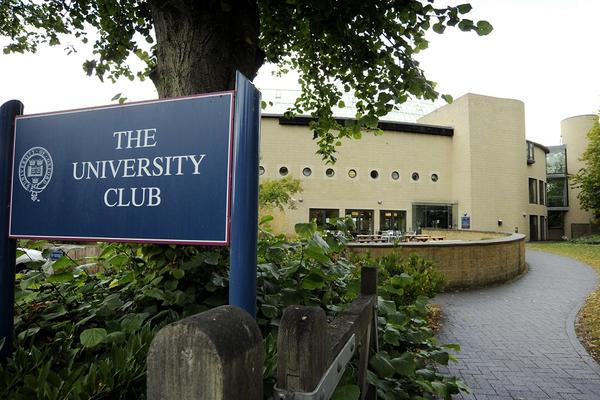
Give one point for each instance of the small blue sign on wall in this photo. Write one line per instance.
(156, 171)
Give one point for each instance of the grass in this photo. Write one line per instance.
(587, 325)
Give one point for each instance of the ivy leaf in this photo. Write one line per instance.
(92, 337)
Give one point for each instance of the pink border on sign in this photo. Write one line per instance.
(231, 93)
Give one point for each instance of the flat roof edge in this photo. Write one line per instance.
(407, 127)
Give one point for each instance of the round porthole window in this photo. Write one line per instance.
(374, 174)
(415, 176)
(352, 173)
(307, 171)
(330, 172)
(395, 175)
(261, 170)
(283, 171)
(434, 177)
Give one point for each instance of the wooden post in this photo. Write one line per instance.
(214, 355)
(368, 287)
(301, 348)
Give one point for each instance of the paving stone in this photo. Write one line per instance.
(518, 339)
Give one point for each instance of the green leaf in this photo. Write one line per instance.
(60, 278)
(386, 306)
(382, 365)
(346, 392)
(92, 337)
(391, 335)
(439, 357)
(465, 25)
(132, 322)
(447, 98)
(269, 311)
(155, 293)
(439, 28)
(464, 8)
(63, 264)
(177, 273)
(484, 28)
(265, 219)
(440, 389)
(304, 229)
(116, 337)
(405, 364)
(452, 346)
(312, 282)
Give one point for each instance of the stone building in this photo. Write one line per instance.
(466, 165)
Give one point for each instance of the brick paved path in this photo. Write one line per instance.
(518, 340)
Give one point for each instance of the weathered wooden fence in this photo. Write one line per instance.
(218, 354)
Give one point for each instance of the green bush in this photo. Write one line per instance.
(425, 279)
(589, 239)
(84, 335)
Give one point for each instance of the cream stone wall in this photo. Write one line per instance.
(574, 135)
(490, 164)
(293, 147)
(482, 168)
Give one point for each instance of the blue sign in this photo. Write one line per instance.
(156, 171)
(465, 222)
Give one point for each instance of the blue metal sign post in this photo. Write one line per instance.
(8, 247)
(244, 216)
(154, 172)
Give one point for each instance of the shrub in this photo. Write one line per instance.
(84, 335)
(588, 239)
(426, 280)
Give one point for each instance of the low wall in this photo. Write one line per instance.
(465, 263)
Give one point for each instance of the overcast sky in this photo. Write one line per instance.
(543, 52)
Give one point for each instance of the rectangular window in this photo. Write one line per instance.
(323, 216)
(532, 191)
(556, 191)
(533, 228)
(433, 216)
(542, 192)
(363, 221)
(392, 220)
(543, 227)
(556, 160)
(530, 153)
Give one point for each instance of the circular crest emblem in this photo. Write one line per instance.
(35, 171)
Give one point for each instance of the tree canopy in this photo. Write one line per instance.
(587, 179)
(189, 47)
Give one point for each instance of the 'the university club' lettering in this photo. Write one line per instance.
(173, 165)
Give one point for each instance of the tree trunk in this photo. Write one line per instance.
(201, 43)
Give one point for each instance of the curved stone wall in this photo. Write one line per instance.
(465, 263)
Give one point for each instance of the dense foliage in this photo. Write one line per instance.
(278, 193)
(82, 331)
(587, 179)
(189, 47)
